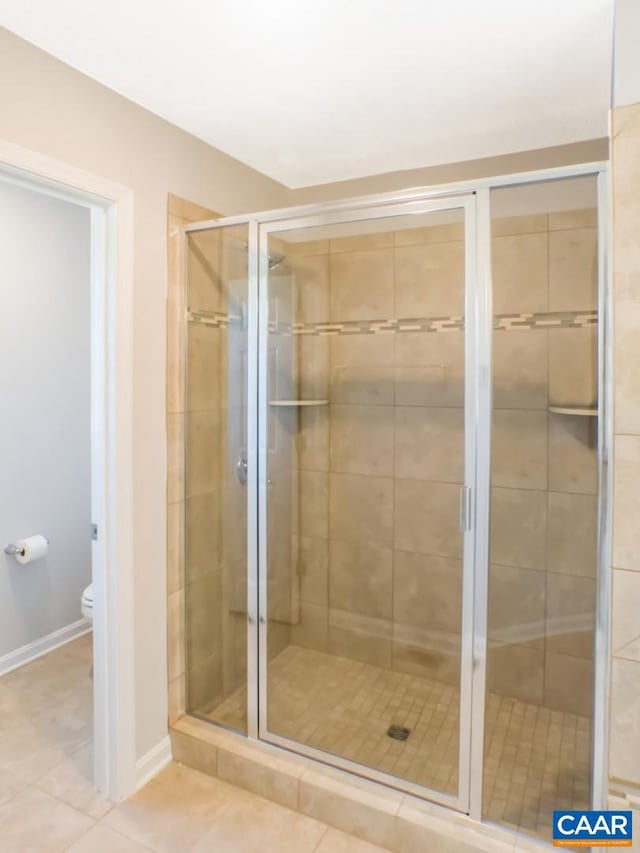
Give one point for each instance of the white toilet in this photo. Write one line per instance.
(86, 603)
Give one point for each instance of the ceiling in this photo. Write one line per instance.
(313, 91)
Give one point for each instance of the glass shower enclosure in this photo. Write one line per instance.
(395, 497)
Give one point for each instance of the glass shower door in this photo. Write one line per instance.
(366, 446)
(543, 577)
(216, 457)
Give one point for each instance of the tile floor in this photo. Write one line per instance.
(536, 759)
(48, 803)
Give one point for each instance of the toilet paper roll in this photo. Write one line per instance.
(32, 548)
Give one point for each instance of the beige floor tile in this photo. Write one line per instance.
(28, 754)
(419, 830)
(66, 721)
(101, 839)
(173, 812)
(44, 722)
(46, 713)
(52, 677)
(345, 707)
(271, 776)
(250, 824)
(334, 841)
(10, 785)
(355, 806)
(11, 711)
(33, 822)
(72, 782)
(81, 648)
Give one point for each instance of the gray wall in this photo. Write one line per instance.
(45, 484)
(51, 108)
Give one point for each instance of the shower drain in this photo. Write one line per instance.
(398, 732)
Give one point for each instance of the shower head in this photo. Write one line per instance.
(274, 260)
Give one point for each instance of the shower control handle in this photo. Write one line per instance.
(242, 467)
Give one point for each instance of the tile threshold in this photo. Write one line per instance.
(365, 809)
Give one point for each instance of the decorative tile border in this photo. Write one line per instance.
(455, 323)
(372, 327)
(214, 318)
(548, 320)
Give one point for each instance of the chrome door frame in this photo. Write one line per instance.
(467, 203)
(252, 440)
(481, 187)
(435, 191)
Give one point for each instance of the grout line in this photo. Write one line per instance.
(322, 837)
(70, 805)
(126, 837)
(83, 835)
(619, 656)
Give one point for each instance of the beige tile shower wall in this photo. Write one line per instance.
(309, 264)
(624, 766)
(180, 213)
(544, 477)
(380, 468)
(205, 480)
(216, 529)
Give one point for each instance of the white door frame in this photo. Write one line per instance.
(111, 207)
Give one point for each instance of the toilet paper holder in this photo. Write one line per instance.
(13, 550)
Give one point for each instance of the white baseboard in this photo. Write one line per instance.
(43, 646)
(152, 762)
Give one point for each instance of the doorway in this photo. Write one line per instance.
(46, 650)
(105, 209)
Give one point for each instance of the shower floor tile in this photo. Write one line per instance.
(536, 760)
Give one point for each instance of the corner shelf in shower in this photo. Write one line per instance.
(298, 402)
(578, 411)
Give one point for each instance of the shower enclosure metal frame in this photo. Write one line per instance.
(466, 203)
(474, 197)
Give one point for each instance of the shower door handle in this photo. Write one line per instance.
(465, 509)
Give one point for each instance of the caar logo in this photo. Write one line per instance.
(592, 829)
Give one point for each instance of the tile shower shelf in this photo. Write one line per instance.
(579, 411)
(298, 402)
